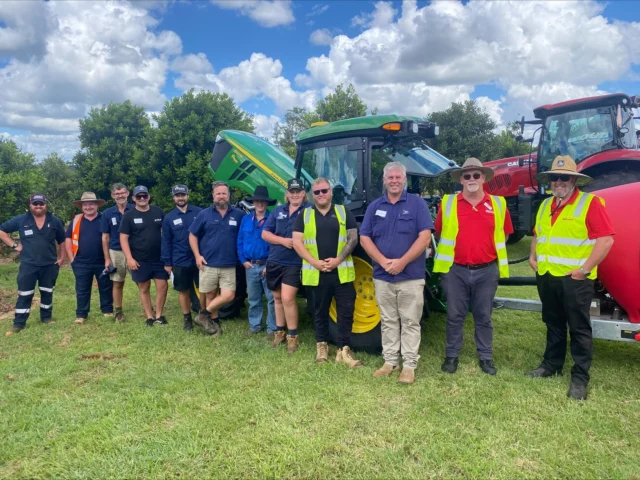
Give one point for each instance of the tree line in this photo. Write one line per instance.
(120, 143)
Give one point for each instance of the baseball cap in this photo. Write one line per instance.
(294, 184)
(179, 189)
(140, 189)
(38, 197)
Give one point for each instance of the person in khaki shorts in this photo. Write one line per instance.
(213, 236)
(113, 255)
(395, 232)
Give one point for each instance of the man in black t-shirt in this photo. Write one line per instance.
(141, 239)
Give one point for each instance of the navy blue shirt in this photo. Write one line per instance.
(38, 245)
(90, 241)
(175, 237)
(280, 223)
(251, 246)
(394, 228)
(217, 235)
(110, 224)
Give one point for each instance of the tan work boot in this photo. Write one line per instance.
(79, 321)
(345, 355)
(407, 376)
(386, 370)
(107, 315)
(322, 349)
(278, 338)
(292, 344)
(13, 331)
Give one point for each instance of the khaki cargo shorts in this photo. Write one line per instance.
(213, 278)
(120, 262)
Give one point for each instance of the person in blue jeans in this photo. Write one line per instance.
(253, 253)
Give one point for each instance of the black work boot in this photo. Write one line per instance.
(188, 323)
(450, 365)
(542, 372)
(577, 391)
(487, 367)
(161, 320)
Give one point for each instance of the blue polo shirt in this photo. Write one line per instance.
(280, 223)
(38, 245)
(175, 237)
(251, 246)
(217, 235)
(393, 228)
(90, 241)
(110, 224)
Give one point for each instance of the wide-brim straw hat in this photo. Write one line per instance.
(564, 165)
(472, 163)
(88, 197)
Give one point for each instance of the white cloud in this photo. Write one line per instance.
(493, 108)
(318, 9)
(322, 36)
(264, 125)
(382, 16)
(42, 145)
(267, 13)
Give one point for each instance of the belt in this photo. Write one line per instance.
(257, 262)
(476, 267)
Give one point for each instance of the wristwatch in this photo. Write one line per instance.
(14, 246)
(584, 272)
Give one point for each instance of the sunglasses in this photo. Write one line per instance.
(142, 196)
(179, 194)
(562, 178)
(38, 204)
(322, 191)
(476, 176)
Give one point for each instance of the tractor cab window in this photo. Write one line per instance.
(419, 159)
(338, 164)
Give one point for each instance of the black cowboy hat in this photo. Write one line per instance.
(261, 193)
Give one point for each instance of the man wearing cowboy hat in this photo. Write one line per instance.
(253, 252)
(472, 255)
(84, 249)
(572, 236)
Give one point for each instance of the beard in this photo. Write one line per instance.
(473, 188)
(181, 203)
(221, 204)
(562, 192)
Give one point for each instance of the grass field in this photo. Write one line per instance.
(126, 401)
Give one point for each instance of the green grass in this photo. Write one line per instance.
(126, 401)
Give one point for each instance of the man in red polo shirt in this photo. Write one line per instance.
(472, 255)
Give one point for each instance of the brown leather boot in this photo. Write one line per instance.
(386, 370)
(322, 354)
(79, 321)
(278, 338)
(407, 376)
(292, 344)
(345, 355)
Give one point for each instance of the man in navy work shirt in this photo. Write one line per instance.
(213, 236)
(253, 252)
(395, 232)
(176, 252)
(140, 238)
(113, 255)
(84, 249)
(39, 232)
(284, 265)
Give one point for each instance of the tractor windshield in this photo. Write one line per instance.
(419, 159)
(337, 163)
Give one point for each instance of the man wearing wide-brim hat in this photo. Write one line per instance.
(572, 236)
(472, 256)
(84, 248)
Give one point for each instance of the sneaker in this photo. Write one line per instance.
(279, 338)
(322, 352)
(450, 365)
(543, 372)
(487, 367)
(188, 324)
(13, 331)
(386, 370)
(120, 316)
(292, 344)
(577, 391)
(345, 355)
(161, 320)
(407, 376)
(150, 322)
(108, 315)
(79, 321)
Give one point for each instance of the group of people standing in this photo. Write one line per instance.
(310, 244)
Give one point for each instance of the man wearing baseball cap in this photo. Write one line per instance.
(141, 237)
(177, 254)
(40, 260)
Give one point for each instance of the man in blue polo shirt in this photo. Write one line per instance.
(253, 252)
(395, 232)
(39, 232)
(113, 256)
(213, 236)
(84, 249)
(176, 252)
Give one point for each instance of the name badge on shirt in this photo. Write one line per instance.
(28, 232)
(233, 223)
(114, 221)
(177, 221)
(137, 220)
(381, 213)
(488, 206)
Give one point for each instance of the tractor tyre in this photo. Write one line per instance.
(515, 238)
(612, 179)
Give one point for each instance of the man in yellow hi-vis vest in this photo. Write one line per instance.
(573, 235)
(324, 236)
(472, 255)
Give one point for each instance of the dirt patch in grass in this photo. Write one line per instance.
(100, 356)
(66, 340)
(6, 304)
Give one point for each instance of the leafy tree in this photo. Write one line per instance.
(60, 185)
(505, 144)
(341, 104)
(295, 121)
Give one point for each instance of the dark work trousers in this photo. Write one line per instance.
(466, 288)
(28, 276)
(566, 301)
(84, 282)
(329, 287)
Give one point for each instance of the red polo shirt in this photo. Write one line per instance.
(474, 244)
(598, 223)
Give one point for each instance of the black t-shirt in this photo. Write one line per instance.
(145, 233)
(328, 229)
(90, 242)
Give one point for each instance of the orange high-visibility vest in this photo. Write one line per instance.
(75, 233)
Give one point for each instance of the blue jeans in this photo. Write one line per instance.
(256, 286)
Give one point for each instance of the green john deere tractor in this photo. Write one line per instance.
(351, 154)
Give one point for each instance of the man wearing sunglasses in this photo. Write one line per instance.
(40, 258)
(572, 236)
(324, 236)
(141, 239)
(472, 256)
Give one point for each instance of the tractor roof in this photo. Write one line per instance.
(582, 104)
(366, 126)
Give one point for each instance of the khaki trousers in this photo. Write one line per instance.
(400, 306)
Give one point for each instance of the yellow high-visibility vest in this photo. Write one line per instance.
(446, 245)
(310, 274)
(565, 245)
